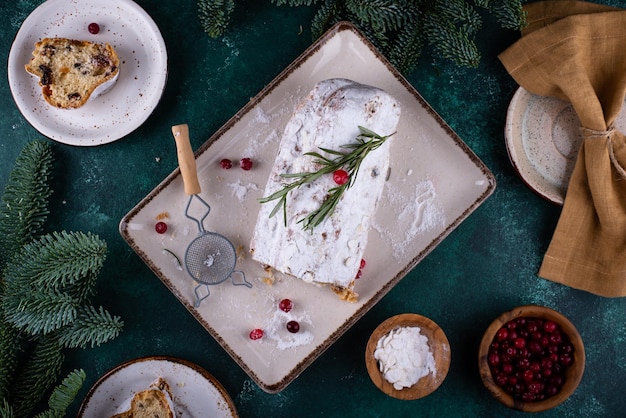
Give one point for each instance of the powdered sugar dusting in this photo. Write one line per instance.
(417, 213)
(240, 190)
(275, 326)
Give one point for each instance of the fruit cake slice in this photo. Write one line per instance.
(154, 402)
(70, 71)
(329, 117)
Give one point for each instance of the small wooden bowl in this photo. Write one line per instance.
(439, 346)
(573, 374)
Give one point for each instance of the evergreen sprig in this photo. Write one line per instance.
(63, 395)
(400, 29)
(24, 203)
(37, 374)
(45, 285)
(215, 15)
(350, 159)
(91, 327)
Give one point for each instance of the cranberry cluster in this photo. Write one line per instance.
(245, 164)
(284, 305)
(528, 358)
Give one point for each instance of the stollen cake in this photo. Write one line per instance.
(329, 117)
(154, 402)
(72, 71)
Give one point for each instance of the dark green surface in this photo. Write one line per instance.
(486, 266)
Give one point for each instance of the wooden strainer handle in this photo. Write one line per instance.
(186, 159)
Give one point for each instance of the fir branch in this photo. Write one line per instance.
(327, 15)
(10, 346)
(92, 327)
(5, 409)
(215, 15)
(509, 13)
(24, 205)
(399, 28)
(404, 54)
(40, 371)
(350, 160)
(294, 2)
(453, 43)
(63, 395)
(381, 15)
(38, 313)
(58, 260)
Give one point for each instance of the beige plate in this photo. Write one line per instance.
(437, 343)
(195, 392)
(434, 184)
(542, 138)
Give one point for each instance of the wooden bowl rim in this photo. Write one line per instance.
(573, 375)
(427, 384)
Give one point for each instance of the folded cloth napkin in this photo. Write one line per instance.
(576, 51)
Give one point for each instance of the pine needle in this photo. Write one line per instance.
(24, 204)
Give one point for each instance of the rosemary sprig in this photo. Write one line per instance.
(350, 160)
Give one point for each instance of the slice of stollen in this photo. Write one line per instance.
(71, 71)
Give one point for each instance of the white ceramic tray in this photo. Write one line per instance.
(435, 183)
(138, 89)
(195, 392)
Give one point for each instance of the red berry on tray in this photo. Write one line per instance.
(160, 227)
(340, 177)
(93, 28)
(226, 164)
(246, 164)
(256, 334)
(285, 305)
(293, 326)
(363, 263)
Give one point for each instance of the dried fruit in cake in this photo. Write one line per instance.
(331, 251)
(155, 402)
(71, 71)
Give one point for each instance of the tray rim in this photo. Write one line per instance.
(359, 313)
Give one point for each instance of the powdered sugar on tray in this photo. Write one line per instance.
(416, 213)
(276, 330)
(240, 190)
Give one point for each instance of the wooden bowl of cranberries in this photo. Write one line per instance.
(531, 358)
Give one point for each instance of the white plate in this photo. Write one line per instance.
(111, 116)
(435, 183)
(543, 137)
(195, 392)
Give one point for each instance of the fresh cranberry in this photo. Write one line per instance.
(363, 263)
(502, 334)
(493, 359)
(226, 164)
(293, 326)
(93, 28)
(285, 305)
(160, 227)
(245, 164)
(533, 354)
(550, 327)
(340, 177)
(358, 274)
(507, 368)
(256, 334)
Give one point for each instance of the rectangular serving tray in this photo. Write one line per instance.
(435, 183)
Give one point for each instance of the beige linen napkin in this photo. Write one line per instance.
(576, 51)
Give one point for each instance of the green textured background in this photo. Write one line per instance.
(486, 266)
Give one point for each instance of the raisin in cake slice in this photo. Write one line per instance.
(71, 71)
(331, 253)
